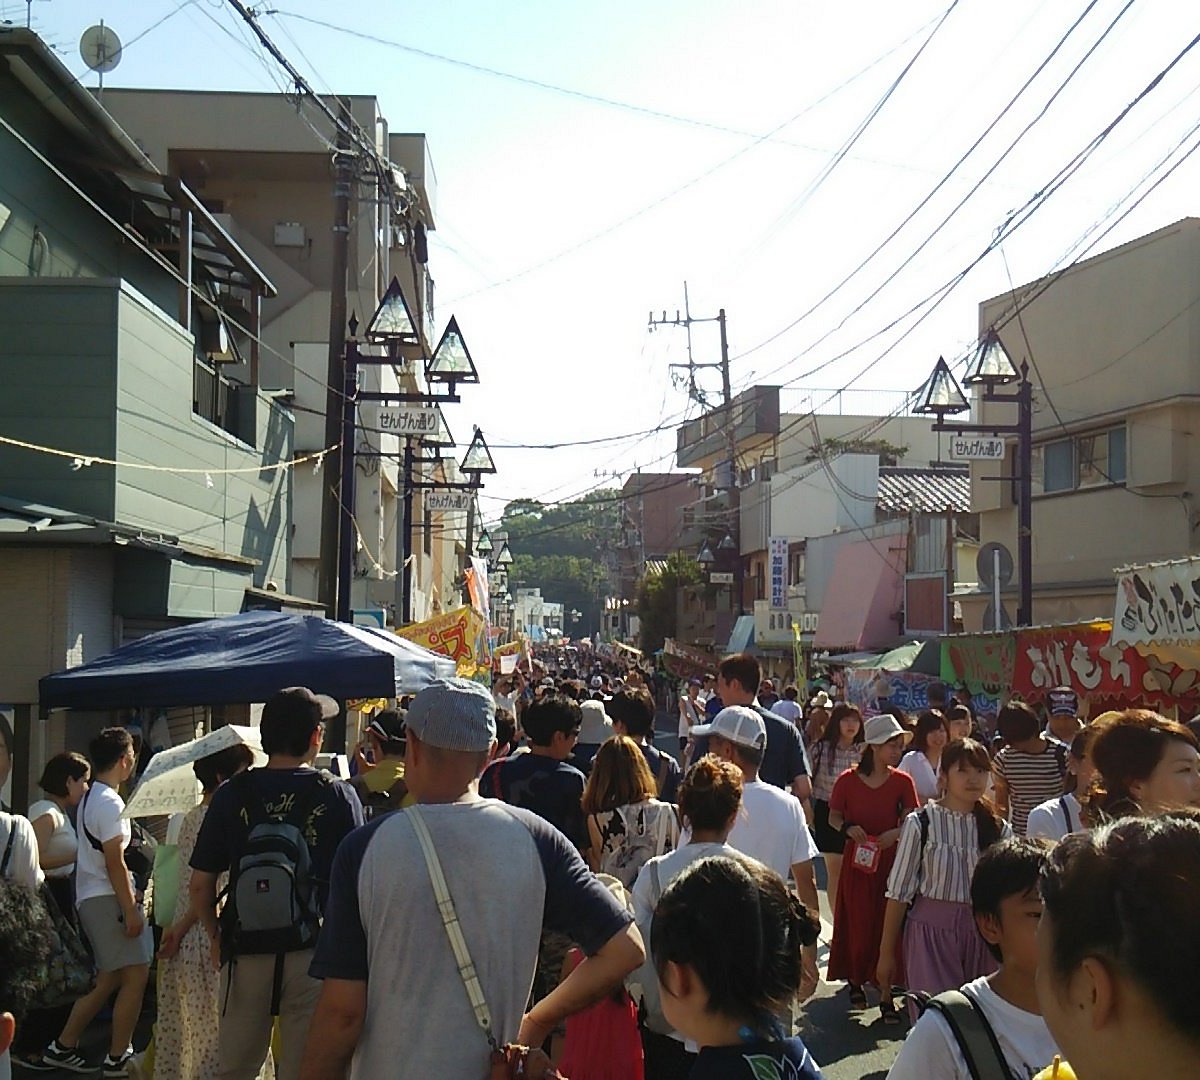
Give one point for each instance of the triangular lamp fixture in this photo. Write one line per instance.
(941, 395)
(451, 362)
(478, 458)
(392, 321)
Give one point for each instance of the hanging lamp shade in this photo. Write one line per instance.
(993, 366)
(485, 545)
(941, 395)
(505, 557)
(451, 361)
(442, 438)
(392, 321)
(478, 458)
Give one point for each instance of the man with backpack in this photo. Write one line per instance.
(275, 831)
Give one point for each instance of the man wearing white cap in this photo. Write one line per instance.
(770, 826)
(394, 1001)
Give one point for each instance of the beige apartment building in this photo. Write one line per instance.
(264, 167)
(1113, 345)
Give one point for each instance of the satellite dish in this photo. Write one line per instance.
(101, 49)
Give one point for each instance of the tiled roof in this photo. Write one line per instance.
(902, 489)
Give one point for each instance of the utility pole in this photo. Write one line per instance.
(686, 320)
(332, 495)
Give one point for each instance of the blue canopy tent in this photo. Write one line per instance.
(246, 658)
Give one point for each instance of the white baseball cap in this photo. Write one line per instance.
(739, 724)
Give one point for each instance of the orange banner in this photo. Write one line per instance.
(455, 634)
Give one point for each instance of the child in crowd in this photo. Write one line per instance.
(1006, 907)
(1118, 946)
(938, 849)
(726, 940)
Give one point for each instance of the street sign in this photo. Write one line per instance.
(994, 563)
(414, 419)
(720, 578)
(447, 500)
(976, 448)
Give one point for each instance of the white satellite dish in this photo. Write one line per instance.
(101, 49)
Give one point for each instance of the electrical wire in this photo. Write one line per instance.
(928, 197)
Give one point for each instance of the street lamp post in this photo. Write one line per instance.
(942, 397)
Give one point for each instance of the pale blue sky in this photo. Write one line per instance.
(527, 177)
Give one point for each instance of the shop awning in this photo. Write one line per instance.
(246, 658)
(865, 594)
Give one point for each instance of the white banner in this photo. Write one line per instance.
(1158, 603)
(975, 448)
(447, 500)
(778, 553)
(413, 419)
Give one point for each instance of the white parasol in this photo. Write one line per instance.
(169, 786)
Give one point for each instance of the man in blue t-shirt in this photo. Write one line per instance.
(541, 780)
(784, 763)
(393, 1001)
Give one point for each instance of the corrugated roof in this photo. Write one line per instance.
(902, 489)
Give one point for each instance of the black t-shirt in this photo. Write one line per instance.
(551, 789)
(760, 1060)
(335, 811)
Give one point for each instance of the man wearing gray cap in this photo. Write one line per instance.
(459, 867)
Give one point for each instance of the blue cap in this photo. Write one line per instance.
(453, 714)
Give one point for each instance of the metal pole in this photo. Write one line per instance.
(997, 613)
(725, 387)
(330, 508)
(470, 531)
(406, 537)
(346, 545)
(1025, 498)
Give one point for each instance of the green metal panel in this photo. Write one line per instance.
(201, 591)
(227, 502)
(58, 368)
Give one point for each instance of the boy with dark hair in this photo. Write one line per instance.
(632, 712)
(275, 830)
(1031, 768)
(541, 780)
(995, 1021)
(110, 912)
(380, 785)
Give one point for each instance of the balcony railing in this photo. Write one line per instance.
(221, 401)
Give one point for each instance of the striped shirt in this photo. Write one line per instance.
(828, 763)
(951, 852)
(1032, 779)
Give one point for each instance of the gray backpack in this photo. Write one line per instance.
(272, 905)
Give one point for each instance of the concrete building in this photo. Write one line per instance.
(651, 525)
(264, 168)
(118, 296)
(1112, 345)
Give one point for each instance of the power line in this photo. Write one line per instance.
(934, 190)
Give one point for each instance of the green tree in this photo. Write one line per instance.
(657, 595)
(561, 550)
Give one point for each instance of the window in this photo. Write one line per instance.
(1096, 459)
(1058, 473)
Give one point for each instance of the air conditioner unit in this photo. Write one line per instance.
(290, 234)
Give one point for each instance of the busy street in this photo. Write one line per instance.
(554, 542)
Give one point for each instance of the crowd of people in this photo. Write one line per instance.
(520, 882)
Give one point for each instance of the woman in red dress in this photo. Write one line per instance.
(867, 805)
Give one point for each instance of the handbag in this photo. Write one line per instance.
(165, 876)
(508, 1062)
(68, 974)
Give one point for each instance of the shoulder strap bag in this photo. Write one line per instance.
(507, 1061)
(973, 1034)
